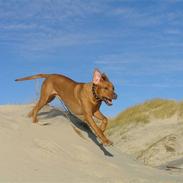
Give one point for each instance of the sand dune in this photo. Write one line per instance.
(156, 142)
(57, 150)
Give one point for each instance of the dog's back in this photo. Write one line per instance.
(62, 86)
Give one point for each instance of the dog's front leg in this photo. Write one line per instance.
(96, 129)
(104, 120)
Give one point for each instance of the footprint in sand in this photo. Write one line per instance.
(49, 147)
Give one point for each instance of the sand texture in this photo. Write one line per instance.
(57, 150)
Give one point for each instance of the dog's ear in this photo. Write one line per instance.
(97, 76)
(104, 77)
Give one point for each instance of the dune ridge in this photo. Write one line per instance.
(52, 151)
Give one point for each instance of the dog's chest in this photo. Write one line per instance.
(95, 107)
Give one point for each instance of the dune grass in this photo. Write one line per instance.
(180, 111)
(142, 113)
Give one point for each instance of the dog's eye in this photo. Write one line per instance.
(105, 88)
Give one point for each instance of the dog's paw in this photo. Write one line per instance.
(107, 143)
(34, 120)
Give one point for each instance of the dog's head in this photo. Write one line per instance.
(103, 87)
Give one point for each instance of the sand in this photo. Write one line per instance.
(53, 150)
(157, 143)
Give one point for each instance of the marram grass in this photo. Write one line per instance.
(142, 113)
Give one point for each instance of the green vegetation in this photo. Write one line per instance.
(142, 113)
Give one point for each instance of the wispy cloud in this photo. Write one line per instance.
(42, 26)
(141, 62)
(173, 31)
(60, 40)
(112, 59)
(139, 71)
(36, 26)
(152, 85)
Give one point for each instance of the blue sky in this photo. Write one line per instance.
(138, 44)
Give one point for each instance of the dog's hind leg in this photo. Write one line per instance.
(45, 97)
(42, 101)
(38, 107)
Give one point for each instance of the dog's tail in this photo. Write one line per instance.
(33, 77)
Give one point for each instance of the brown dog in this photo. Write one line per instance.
(80, 98)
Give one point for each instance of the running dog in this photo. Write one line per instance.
(80, 98)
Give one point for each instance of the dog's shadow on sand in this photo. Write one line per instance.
(77, 123)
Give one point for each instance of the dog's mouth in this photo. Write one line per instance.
(108, 101)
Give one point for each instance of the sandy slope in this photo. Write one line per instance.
(52, 151)
(157, 143)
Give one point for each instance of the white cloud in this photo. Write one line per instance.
(139, 65)
(47, 25)
(153, 85)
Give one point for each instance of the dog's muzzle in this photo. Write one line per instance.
(108, 101)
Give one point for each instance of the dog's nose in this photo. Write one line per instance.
(115, 96)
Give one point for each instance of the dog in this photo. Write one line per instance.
(80, 98)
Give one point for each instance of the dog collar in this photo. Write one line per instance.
(94, 93)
